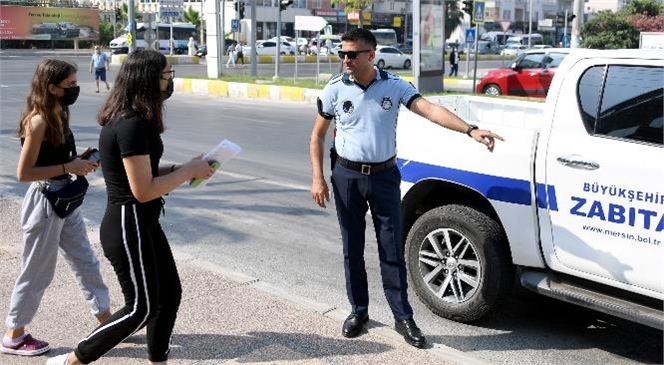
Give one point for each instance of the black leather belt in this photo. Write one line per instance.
(367, 168)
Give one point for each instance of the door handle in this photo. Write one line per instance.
(578, 164)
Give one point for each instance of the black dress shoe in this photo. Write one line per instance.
(410, 332)
(354, 324)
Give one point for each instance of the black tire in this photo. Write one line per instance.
(406, 65)
(485, 259)
(380, 64)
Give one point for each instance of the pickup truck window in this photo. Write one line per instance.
(623, 102)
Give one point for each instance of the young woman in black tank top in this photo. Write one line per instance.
(48, 157)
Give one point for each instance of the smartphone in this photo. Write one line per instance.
(91, 155)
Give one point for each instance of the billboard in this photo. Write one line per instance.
(47, 23)
(432, 37)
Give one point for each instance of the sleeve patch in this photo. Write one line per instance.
(321, 112)
(412, 99)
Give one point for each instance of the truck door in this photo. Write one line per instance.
(605, 162)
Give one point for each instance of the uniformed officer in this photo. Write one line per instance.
(364, 103)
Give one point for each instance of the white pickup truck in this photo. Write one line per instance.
(571, 204)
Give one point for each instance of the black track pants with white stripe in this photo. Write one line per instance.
(138, 250)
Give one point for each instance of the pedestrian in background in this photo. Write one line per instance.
(454, 62)
(131, 235)
(231, 54)
(100, 64)
(239, 53)
(48, 157)
(191, 46)
(364, 104)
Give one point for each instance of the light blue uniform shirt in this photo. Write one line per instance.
(366, 118)
(99, 60)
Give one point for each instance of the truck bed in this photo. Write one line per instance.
(505, 176)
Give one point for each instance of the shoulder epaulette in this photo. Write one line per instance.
(336, 78)
(388, 75)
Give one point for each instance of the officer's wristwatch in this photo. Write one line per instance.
(471, 127)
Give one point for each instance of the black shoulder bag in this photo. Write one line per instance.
(70, 197)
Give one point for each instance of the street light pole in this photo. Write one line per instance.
(276, 62)
(131, 20)
(530, 23)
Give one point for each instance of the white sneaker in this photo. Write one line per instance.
(58, 360)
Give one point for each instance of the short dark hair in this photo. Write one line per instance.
(360, 34)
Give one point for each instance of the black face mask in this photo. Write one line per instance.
(70, 96)
(165, 94)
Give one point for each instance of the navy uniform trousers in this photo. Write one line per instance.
(354, 193)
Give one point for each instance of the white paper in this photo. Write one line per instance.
(219, 154)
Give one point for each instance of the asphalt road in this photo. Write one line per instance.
(256, 217)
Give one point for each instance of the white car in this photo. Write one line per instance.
(541, 46)
(391, 57)
(289, 40)
(269, 48)
(513, 50)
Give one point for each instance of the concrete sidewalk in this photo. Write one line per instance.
(225, 318)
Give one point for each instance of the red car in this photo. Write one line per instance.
(529, 75)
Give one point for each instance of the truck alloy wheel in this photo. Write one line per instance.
(458, 262)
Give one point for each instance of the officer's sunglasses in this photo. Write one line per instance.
(351, 54)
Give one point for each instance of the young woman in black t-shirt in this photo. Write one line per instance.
(131, 236)
(48, 156)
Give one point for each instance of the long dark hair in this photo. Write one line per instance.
(136, 91)
(42, 102)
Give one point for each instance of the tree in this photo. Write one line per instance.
(645, 15)
(454, 17)
(609, 30)
(353, 5)
(105, 32)
(650, 8)
(194, 17)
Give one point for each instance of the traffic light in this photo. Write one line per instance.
(118, 15)
(283, 4)
(468, 7)
(241, 10)
(560, 19)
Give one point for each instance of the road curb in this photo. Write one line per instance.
(246, 90)
(445, 353)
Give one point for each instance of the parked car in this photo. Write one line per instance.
(485, 47)
(201, 50)
(391, 57)
(406, 48)
(289, 40)
(336, 47)
(269, 48)
(529, 75)
(513, 50)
